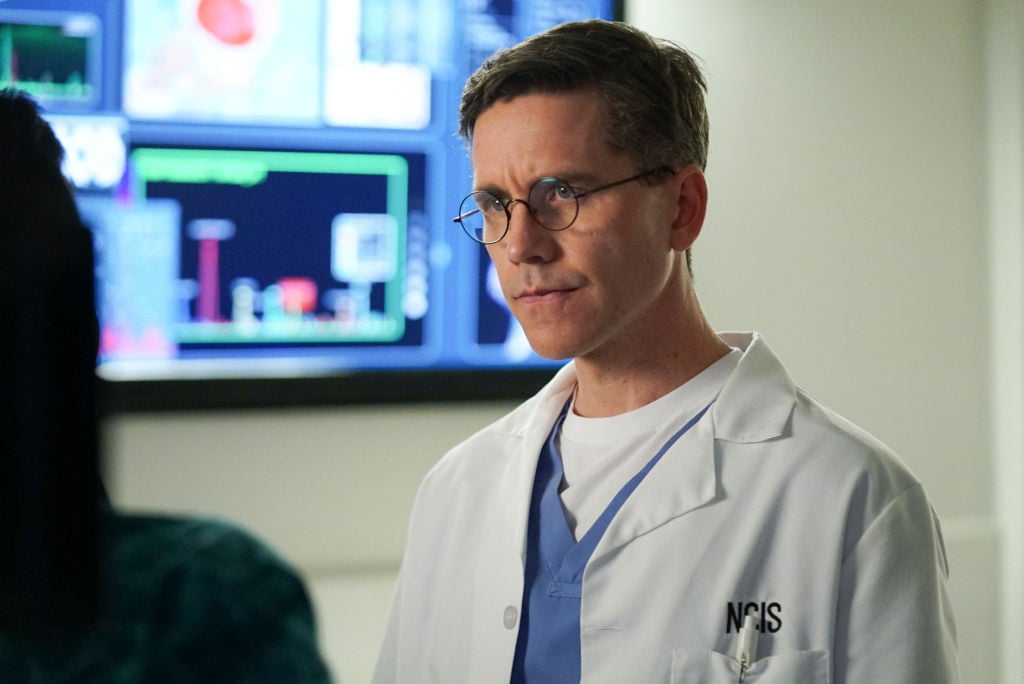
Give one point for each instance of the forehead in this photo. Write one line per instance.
(541, 133)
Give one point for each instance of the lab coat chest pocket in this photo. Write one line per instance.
(710, 667)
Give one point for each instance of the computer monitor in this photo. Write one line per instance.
(271, 187)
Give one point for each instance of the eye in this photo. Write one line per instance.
(492, 205)
(563, 191)
(487, 203)
(551, 191)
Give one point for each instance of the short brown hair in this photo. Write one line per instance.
(653, 89)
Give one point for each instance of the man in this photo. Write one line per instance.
(182, 599)
(670, 507)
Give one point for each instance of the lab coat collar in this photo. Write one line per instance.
(758, 398)
(753, 406)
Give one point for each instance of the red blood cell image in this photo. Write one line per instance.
(229, 21)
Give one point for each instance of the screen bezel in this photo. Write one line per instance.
(341, 389)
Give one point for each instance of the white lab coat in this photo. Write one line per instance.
(771, 504)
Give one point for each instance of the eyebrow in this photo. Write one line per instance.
(577, 179)
(493, 189)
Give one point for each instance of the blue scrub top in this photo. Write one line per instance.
(548, 646)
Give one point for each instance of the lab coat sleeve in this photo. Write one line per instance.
(386, 668)
(404, 631)
(894, 620)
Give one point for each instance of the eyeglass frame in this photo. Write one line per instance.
(577, 195)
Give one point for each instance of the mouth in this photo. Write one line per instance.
(540, 294)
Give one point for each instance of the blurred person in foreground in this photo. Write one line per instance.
(180, 598)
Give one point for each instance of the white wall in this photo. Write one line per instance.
(1004, 50)
(857, 173)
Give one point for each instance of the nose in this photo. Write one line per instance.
(526, 240)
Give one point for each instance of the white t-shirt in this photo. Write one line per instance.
(600, 455)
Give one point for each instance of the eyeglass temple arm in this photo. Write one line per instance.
(609, 186)
(460, 217)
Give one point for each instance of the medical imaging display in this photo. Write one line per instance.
(271, 183)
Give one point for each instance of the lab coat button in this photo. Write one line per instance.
(510, 617)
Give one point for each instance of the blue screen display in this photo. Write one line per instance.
(270, 183)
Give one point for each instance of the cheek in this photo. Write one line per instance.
(497, 271)
(634, 270)
(631, 248)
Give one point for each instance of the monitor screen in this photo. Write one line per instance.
(270, 186)
(53, 56)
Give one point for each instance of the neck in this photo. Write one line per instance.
(616, 383)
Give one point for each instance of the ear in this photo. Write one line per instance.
(692, 206)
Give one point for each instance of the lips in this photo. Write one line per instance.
(541, 293)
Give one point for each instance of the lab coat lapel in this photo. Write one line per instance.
(683, 480)
(499, 577)
(527, 441)
(753, 406)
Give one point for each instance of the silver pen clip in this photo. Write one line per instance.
(746, 645)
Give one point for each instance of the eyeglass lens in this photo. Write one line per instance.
(552, 203)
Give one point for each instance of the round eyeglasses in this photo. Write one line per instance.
(552, 203)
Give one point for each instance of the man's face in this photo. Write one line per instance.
(600, 288)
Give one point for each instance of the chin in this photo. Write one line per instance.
(554, 356)
(553, 350)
